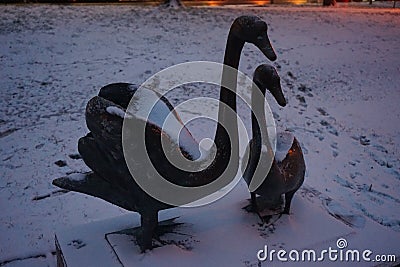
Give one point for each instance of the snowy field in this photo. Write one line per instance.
(340, 70)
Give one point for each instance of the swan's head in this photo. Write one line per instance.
(266, 77)
(253, 30)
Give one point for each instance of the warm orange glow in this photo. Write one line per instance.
(260, 3)
(212, 3)
(298, 2)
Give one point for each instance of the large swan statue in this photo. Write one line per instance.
(101, 149)
(287, 170)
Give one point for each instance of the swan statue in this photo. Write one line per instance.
(287, 170)
(101, 149)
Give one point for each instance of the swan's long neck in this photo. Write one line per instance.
(226, 136)
(227, 120)
(257, 106)
(260, 138)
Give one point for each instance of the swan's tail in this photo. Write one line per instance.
(94, 185)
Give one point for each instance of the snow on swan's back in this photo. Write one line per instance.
(283, 145)
(147, 105)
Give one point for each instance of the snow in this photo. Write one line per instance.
(340, 74)
(115, 111)
(77, 177)
(283, 144)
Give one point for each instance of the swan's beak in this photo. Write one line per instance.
(277, 92)
(265, 46)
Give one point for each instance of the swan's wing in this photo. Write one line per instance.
(118, 93)
(293, 166)
(149, 106)
(109, 164)
(105, 119)
(104, 124)
(122, 93)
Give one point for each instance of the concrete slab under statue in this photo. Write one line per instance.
(222, 234)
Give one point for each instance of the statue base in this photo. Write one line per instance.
(223, 234)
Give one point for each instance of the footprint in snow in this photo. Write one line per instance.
(322, 112)
(77, 243)
(339, 212)
(334, 147)
(329, 127)
(302, 100)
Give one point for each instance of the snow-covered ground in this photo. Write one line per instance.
(340, 70)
